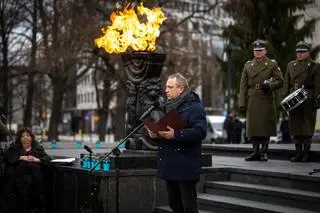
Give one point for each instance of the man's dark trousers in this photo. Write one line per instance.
(182, 196)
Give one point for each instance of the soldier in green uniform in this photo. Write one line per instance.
(303, 73)
(261, 77)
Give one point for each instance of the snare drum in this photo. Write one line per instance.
(294, 99)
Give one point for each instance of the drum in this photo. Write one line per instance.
(294, 99)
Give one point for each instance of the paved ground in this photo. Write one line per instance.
(69, 150)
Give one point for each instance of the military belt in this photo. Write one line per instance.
(254, 86)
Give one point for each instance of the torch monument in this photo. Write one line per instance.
(142, 66)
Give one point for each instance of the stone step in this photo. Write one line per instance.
(270, 194)
(275, 152)
(226, 204)
(263, 177)
(166, 209)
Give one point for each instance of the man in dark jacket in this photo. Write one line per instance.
(285, 131)
(228, 126)
(237, 130)
(179, 150)
(303, 73)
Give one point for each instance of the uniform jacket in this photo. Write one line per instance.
(303, 73)
(180, 158)
(261, 105)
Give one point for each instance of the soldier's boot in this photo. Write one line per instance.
(255, 156)
(264, 151)
(298, 156)
(306, 152)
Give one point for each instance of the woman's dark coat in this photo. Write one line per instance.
(24, 182)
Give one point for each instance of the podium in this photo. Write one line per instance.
(140, 190)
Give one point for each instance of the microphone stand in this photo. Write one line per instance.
(116, 152)
(90, 159)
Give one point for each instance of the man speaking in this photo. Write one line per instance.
(179, 150)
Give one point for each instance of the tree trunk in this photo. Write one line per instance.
(58, 85)
(27, 119)
(103, 114)
(4, 78)
(4, 90)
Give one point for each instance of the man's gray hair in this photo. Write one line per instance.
(181, 80)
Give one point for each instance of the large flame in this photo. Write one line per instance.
(127, 31)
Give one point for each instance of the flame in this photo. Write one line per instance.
(127, 31)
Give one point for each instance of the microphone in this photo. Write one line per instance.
(88, 149)
(158, 104)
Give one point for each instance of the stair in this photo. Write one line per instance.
(274, 195)
(227, 204)
(238, 190)
(166, 209)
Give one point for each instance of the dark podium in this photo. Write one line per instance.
(69, 188)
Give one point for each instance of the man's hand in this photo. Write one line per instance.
(167, 134)
(266, 88)
(152, 134)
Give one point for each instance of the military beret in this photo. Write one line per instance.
(303, 46)
(259, 44)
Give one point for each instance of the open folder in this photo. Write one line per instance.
(172, 119)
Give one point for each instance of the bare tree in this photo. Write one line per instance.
(11, 15)
(67, 31)
(27, 119)
(106, 73)
(187, 41)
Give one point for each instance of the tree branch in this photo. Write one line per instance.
(189, 17)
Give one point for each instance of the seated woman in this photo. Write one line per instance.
(24, 188)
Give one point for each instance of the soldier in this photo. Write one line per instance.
(303, 73)
(260, 78)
